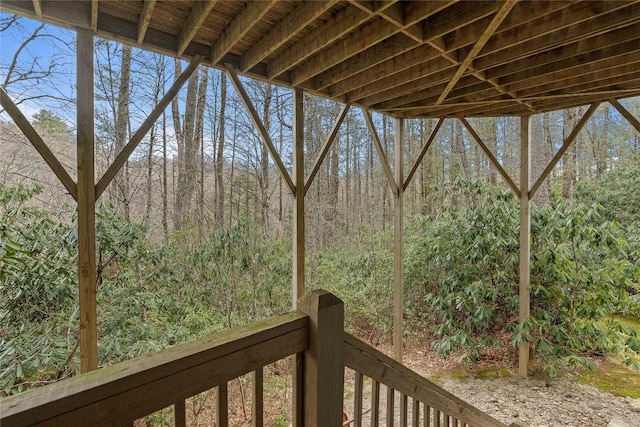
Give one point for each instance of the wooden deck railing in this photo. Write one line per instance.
(120, 394)
(420, 402)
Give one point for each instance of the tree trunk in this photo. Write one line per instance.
(264, 164)
(219, 211)
(571, 117)
(188, 149)
(121, 181)
(540, 156)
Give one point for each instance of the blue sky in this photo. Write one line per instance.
(53, 45)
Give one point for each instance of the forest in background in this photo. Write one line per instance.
(194, 235)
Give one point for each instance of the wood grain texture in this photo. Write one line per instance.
(135, 388)
(389, 56)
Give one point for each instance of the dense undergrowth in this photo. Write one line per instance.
(461, 281)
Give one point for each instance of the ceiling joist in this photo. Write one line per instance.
(407, 58)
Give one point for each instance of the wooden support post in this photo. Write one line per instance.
(324, 360)
(298, 195)
(525, 237)
(398, 273)
(86, 204)
(299, 417)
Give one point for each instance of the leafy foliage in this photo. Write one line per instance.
(148, 297)
(618, 191)
(465, 267)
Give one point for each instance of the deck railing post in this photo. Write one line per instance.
(324, 359)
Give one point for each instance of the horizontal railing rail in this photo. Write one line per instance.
(430, 405)
(122, 393)
(119, 395)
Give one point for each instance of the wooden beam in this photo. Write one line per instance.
(135, 140)
(255, 117)
(94, 15)
(586, 80)
(145, 18)
(491, 156)
(325, 147)
(77, 14)
(304, 14)
(398, 250)
(426, 146)
(395, 90)
(573, 25)
(565, 146)
(384, 51)
(360, 40)
(626, 114)
(457, 16)
(336, 27)
(598, 48)
(199, 13)
(524, 300)
(252, 13)
(298, 197)
(477, 47)
(88, 334)
(376, 32)
(383, 156)
(37, 8)
(401, 70)
(38, 143)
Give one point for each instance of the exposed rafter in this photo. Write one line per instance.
(327, 33)
(407, 58)
(482, 40)
(239, 27)
(145, 18)
(197, 16)
(94, 15)
(283, 31)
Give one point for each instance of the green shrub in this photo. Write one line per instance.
(462, 275)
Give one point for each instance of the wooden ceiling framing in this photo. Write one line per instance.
(441, 58)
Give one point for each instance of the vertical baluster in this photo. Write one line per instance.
(257, 404)
(357, 400)
(222, 414)
(298, 390)
(404, 409)
(375, 403)
(415, 419)
(436, 419)
(391, 406)
(180, 413)
(427, 415)
(447, 420)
